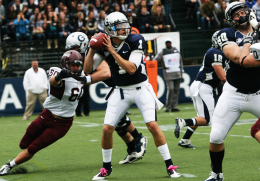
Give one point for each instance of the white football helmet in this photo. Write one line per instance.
(214, 40)
(77, 39)
(229, 13)
(115, 21)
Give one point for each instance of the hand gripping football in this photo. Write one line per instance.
(96, 41)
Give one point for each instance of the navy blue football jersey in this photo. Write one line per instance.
(244, 79)
(207, 73)
(120, 76)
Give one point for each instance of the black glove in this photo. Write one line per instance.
(250, 38)
(64, 73)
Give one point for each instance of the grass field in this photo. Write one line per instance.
(78, 155)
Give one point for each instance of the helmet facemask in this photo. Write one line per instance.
(76, 62)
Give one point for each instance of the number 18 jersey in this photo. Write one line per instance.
(63, 100)
(134, 42)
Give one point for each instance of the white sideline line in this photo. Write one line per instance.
(2, 179)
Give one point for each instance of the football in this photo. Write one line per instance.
(96, 41)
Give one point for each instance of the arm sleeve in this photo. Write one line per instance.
(136, 57)
(97, 59)
(159, 57)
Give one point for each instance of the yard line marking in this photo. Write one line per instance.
(188, 175)
(93, 140)
(2, 179)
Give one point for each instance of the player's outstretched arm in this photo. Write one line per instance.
(220, 73)
(102, 72)
(88, 62)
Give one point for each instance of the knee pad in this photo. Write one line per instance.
(121, 132)
(123, 124)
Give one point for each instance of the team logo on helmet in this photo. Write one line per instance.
(81, 38)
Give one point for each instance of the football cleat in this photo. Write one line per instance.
(185, 143)
(103, 173)
(215, 177)
(5, 169)
(138, 153)
(171, 170)
(180, 124)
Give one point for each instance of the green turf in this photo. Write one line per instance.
(78, 156)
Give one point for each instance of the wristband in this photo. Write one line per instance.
(89, 78)
(243, 61)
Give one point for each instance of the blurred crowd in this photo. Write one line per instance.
(204, 11)
(53, 19)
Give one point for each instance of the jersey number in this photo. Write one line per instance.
(75, 94)
(140, 44)
(222, 38)
(218, 58)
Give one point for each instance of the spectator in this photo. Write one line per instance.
(25, 10)
(38, 26)
(172, 72)
(101, 21)
(35, 84)
(11, 16)
(250, 3)
(159, 20)
(91, 25)
(85, 101)
(256, 7)
(21, 31)
(123, 6)
(67, 14)
(131, 19)
(63, 26)
(98, 6)
(142, 4)
(51, 30)
(92, 8)
(156, 2)
(145, 22)
(41, 7)
(191, 5)
(18, 6)
(137, 3)
(198, 15)
(78, 10)
(218, 4)
(207, 14)
(59, 8)
(117, 8)
(48, 9)
(80, 24)
(85, 6)
(32, 17)
(168, 10)
(106, 8)
(221, 15)
(72, 6)
(31, 6)
(132, 7)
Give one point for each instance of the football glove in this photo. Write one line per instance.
(252, 20)
(64, 73)
(83, 79)
(249, 38)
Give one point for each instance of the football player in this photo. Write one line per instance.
(124, 54)
(209, 76)
(59, 108)
(136, 148)
(241, 92)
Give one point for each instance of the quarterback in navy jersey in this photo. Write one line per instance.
(124, 54)
(241, 92)
(209, 76)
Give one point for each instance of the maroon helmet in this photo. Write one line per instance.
(72, 57)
